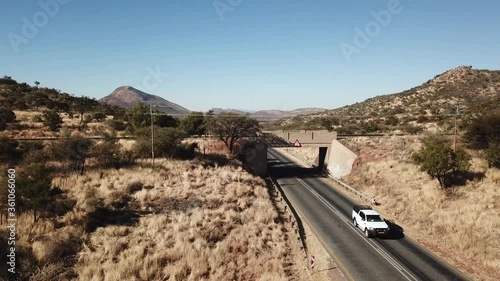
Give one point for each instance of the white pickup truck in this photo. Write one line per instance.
(369, 221)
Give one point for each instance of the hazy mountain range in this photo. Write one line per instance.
(271, 114)
(127, 97)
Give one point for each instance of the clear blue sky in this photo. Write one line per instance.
(261, 54)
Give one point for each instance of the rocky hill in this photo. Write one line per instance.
(428, 107)
(128, 97)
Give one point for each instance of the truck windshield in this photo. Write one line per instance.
(373, 218)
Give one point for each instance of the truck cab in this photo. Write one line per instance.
(369, 221)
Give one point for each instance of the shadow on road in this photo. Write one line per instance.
(396, 232)
(281, 170)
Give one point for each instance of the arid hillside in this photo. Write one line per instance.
(428, 107)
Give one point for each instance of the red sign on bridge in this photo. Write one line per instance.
(297, 143)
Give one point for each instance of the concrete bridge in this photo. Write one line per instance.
(331, 153)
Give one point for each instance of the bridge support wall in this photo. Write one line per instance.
(340, 160)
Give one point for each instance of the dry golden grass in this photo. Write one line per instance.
(187, 222)
(201, 224)
(461, 223)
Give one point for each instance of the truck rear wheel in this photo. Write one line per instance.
(355, 222)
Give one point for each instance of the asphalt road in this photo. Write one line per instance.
(328, 213)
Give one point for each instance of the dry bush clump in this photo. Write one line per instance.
(460, 223)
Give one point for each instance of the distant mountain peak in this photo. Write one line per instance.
(128, 96)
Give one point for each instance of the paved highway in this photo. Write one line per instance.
(328, 213)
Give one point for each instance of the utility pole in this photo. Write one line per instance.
(456, 131)
(152, 136)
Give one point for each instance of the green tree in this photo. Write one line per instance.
(117, 125)
(138, 117)
(106, 154)
(163, 120)
(52, 119)
(231, 127)
(9, 151)
(73, 152)
(166, 142)
(83, 105)
(437, 159)
(482, 131)
(6, 116)
(99, 116)
(35, 188)
(193, 124)
(493, 154)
